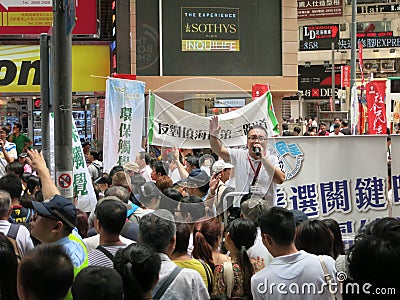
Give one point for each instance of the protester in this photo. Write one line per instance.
(240, 236)
(46, 273)
(158, 230)
(8, 274)
(207, 236)
(98, 283)
(139, 266)
(290, 266)
(256, 170)
(21, 141)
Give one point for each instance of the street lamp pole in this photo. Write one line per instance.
(333, 75)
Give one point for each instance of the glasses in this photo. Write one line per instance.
(36, 215)
(256, 137)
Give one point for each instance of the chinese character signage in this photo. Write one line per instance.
(36, 17)
(123, 121)
(319, 8)
(210, 29)
(375, 92)
(319, 37)
(345, 76)
(351, 190)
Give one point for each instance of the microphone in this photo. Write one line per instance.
(257, 151)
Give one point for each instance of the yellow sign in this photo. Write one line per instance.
(20, 68)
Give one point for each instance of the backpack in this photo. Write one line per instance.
(12, 235)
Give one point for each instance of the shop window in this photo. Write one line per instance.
(373, 26)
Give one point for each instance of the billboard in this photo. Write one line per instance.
(319, 9)
(20, 68)
(210, 29)
(34, 17)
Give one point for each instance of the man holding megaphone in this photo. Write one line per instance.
(257, 172)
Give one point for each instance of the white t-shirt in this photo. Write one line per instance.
(334, 134)
(244, 174)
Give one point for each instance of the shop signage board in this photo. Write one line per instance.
(319, 37)
(319, 9)
(33, 17)
(19, 68)
(376, 8)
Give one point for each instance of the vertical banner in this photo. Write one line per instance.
(78, 183)
(123, 121)
(360, 62)
(345, 76)
(375, 93)
(82, 182)
(354, 110)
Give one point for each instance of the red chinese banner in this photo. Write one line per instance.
(345, 76)
(375, 93)
(258, 90)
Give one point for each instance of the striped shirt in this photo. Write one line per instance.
(98, 258)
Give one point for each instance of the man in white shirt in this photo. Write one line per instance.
(143, 161)
(158, 230)
(253, 162)
(8, 151)
(292, 274)
(336, 130)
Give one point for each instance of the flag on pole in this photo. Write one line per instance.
(354, 110)
(151, 118)
(271, 114)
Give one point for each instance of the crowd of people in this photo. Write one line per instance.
(167, 228)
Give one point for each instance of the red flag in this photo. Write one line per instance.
(345, 76)
(360, 61)
(258, 90)
(375, 92)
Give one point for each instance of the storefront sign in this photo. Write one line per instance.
(210, 29)
(378, 41)
(319, 37)
(374, 34)
(36, 16)
(374, 9)
(316, 82)
(319, 9)
(20, 68)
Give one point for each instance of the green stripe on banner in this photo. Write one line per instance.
(151, 118)
(271, 114)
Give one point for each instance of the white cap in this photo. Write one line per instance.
(220, 165)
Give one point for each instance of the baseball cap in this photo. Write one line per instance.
(220, 165)
(198, 177)
(132, 166)
(299, 216)
(58, 207)
(253, 207)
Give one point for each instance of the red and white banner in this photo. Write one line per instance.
(375, 93)
(34, 17)
(345, 76)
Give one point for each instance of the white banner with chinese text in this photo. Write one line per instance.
(169, 125)
(82, 183)
(123, 121)
(344, 178)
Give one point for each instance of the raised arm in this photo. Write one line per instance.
(215, 142)
(37, 162)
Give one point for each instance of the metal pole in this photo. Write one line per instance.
(62, 97)
(333, 75)
(353, 37)
(45, 95)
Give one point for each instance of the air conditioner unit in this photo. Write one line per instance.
(388, 66)
(369, 66)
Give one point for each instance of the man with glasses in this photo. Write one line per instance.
(256, 170)
(8, 151)
(54, 220)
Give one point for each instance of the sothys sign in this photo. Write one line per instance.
(36, 16)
